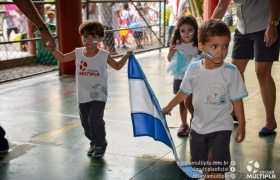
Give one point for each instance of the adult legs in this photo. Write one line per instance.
(268, 91)
(241, 64)
(267, 86)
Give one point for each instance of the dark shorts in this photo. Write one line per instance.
(109, 37)
(210, 152)
(138, 34)
(250, 46)
(23, 36)
(15, 29)
(176, 85)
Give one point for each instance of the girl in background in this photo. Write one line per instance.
(183, 47)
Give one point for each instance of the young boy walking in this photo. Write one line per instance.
(217, 89)
(91, 82)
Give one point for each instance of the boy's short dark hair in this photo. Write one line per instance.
(210, 28)
(91, 27)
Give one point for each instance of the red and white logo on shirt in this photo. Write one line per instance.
(84, 71)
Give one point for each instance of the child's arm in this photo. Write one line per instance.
(180, 96)
(171, 52)
(63, 57)
(118, 64)
(220, 9)
(239, 112)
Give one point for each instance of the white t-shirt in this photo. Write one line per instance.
(189, 50)
(125, 14)
(172, 4)
(91, 76)
(253, 16)
(213, 91)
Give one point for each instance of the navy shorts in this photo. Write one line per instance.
(252, 45)
(210, 152)
(138, 34)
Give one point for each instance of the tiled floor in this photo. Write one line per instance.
(40, 116)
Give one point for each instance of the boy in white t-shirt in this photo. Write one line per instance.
(217, 89)
(91, 82)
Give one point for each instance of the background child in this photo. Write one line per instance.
(217, 88)
(125, 14)
(115, 19)
(51, 18)
(126, 20)
(91, 76)
(11, 19)
(147, 29)
(184, 43)
(139, 32)
(22, 21)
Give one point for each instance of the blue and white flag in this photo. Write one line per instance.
(146, 114)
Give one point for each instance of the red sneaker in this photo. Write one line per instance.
(184, 130)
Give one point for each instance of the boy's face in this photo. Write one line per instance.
(89, 40)
(215, 50)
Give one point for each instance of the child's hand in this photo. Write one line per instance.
(239, 134)
(128, 53)
(172, 49)
(166, 110)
